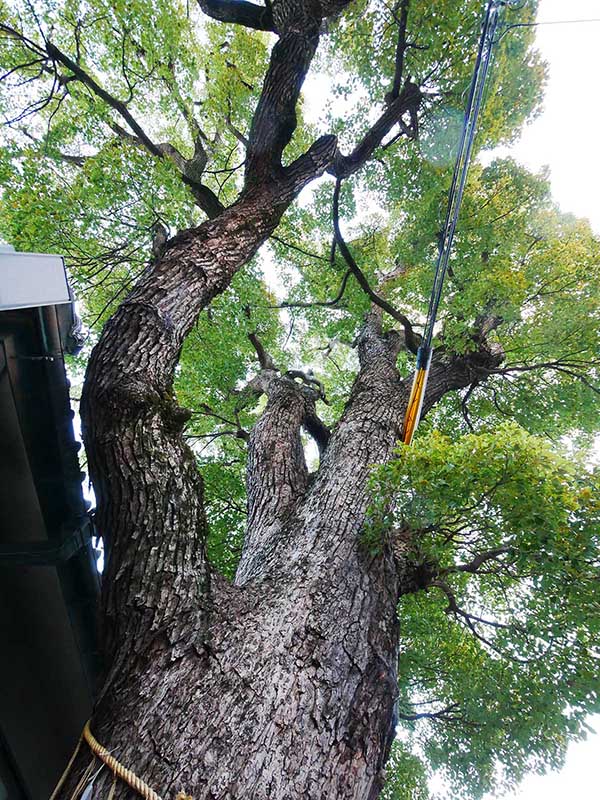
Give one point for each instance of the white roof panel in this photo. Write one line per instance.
(32, 279)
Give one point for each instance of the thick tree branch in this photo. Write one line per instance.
(369, 429)
(408, 101)
(400, 51)
(312, 163)
(28, 43)
(487, 322)
(477, 562)
(277, 475)
(250, 15)
(264, 359)
(205, 198)
(314, 426)
(239, 12)
(451, 372)
(464, 405)
(162, 150)
(274, 120)
(309, 380)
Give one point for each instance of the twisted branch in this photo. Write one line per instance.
(411, 339)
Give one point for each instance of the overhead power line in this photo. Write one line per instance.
(547, 22)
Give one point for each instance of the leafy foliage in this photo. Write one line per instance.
(407, 779)
(499, 656)
(497, 669)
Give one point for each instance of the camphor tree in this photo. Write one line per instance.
(270, 617)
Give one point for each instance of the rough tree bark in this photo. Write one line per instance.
(281, 685)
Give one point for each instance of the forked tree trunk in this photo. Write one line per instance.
(281, 685)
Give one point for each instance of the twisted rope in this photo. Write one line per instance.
(119, 770)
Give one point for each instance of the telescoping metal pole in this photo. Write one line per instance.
(455, 195)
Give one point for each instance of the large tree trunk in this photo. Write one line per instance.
(281, 685)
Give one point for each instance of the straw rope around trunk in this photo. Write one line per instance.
(118, 769)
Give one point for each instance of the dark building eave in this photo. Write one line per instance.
(49, 584)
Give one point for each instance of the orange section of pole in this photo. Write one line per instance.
(411, 417)
(417, 393)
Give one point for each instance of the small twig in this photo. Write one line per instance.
(444, 714)
(318, 303)
(412, 341)
(299, 249)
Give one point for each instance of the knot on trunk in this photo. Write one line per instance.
(414, 573)
(175, 416)
(291, 16)
(131, 394)
(376, 345)
(487, 357)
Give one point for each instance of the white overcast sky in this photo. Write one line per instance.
(566, 138)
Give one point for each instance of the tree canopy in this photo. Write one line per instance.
(129, 122)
